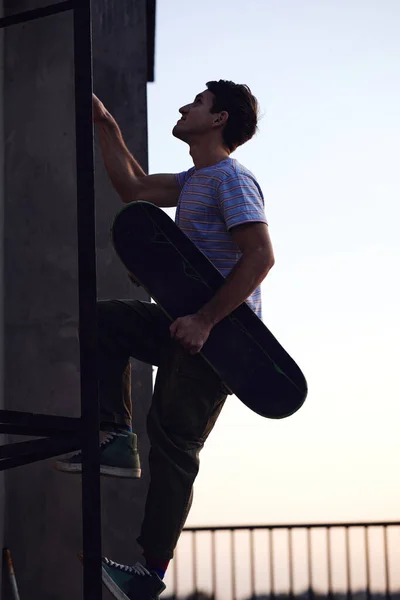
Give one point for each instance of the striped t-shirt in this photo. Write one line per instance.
(212, 201)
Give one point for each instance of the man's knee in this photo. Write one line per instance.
(113, 312)
(183, 414)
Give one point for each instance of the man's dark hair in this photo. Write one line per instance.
(238, 101)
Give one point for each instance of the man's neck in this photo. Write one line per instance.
(207, 156)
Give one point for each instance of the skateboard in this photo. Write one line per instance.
(181, 279)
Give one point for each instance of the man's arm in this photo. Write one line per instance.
(127, 176)
(257, 259)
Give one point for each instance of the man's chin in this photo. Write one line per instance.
(178, 133)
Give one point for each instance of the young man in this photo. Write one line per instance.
(221, 208)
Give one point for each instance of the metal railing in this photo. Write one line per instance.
(330, 560)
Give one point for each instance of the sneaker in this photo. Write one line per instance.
(118, 457)
(131, 583)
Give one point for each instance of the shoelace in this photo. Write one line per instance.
(108, 438)
(137, 569)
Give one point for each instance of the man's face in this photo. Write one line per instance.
(196, 118)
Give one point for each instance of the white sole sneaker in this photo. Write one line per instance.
(112, 586)
(136, 581)
(118, 457)
(106, 470)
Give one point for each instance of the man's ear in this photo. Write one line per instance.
(221, 118)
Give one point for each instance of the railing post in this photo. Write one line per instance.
(233, 565)
(213, 565)
(386, 560)
(329, 561)
(310, 565)
(367, 564)
(252, 566)
(348, 567)
(291, 574)
(271, 564)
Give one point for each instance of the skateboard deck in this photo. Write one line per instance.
(181, 279)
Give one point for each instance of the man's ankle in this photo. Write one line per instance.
(159, 565)
(110, 427)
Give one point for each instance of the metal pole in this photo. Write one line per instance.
(11, 572)
(387, 572)
(310, 565)
(91, 511)
(252, 566)
(348, 565)
(194, 559)
(291, 574)
(367, 563)
(213, 565)
(329, 562)
(233, 565)
(271, 563)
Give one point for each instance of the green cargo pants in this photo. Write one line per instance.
(188, 397)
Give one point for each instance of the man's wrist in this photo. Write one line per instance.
(204, 315)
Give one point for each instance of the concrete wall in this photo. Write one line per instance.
(43, 510)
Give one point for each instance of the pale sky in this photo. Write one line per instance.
(327, 76)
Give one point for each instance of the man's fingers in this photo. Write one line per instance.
(195, 350)
(174, 328)
(185, 331)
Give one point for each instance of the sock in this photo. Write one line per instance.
(158, 565)
(122, 428)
